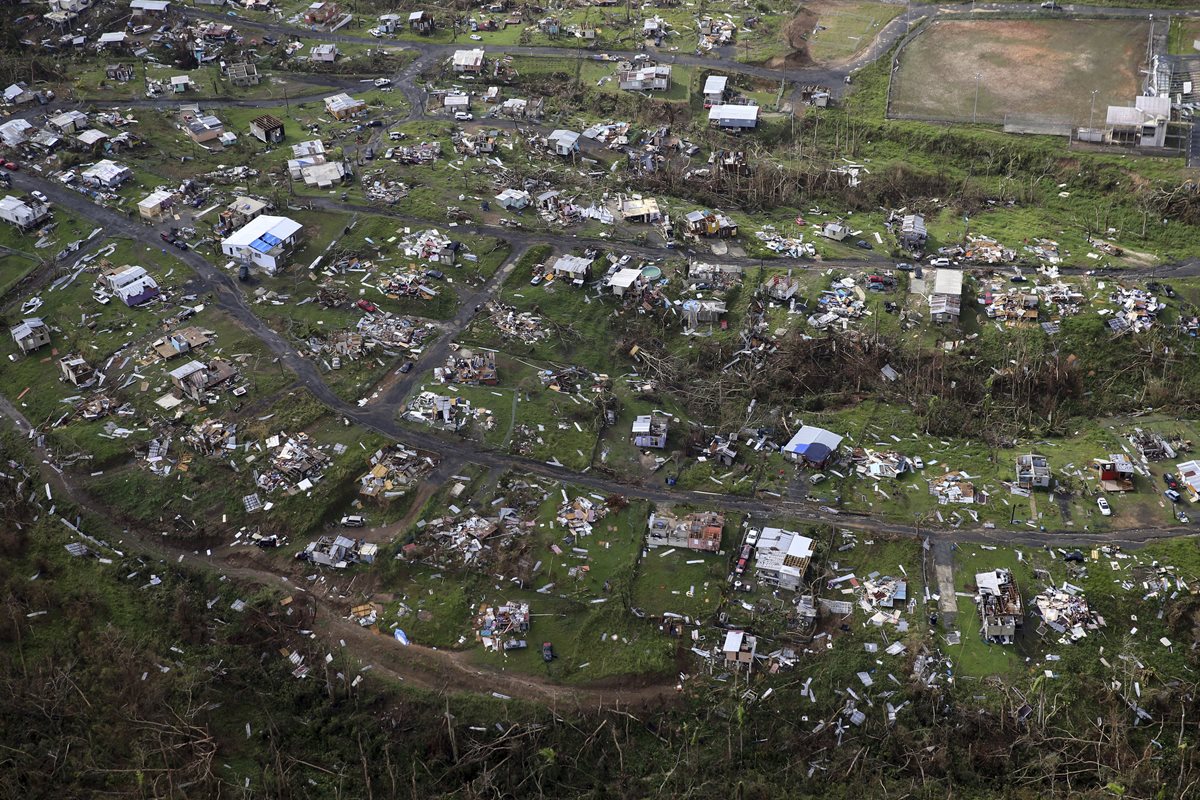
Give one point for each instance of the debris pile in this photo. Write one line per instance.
(1066, 611)
(513, 324)
(1014, 307)
(211, 437)
(581, 514)
(1044, 250)
(393, 471)
(468, 367)
(877, 464)
(338, 552)
(841, 304)
(501, 627)
(296, 464)
(955, 487)
(451, 413)
(786, 246)
(880, 596)
(986, 250)
(1136, 310)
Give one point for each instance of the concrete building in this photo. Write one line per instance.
(782, 558)
(324, 53)
(267, 129)
(645, 79)
(106, 173)
(714, 90)
(945, 301)
(266, 241)
(1143, 125)
(342, 106)
(563, 142)
(1033, 471)
(24, 215)
(812, 447)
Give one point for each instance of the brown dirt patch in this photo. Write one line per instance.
(794, 32)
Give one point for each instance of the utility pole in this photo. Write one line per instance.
(1092, 113)
(975, 111)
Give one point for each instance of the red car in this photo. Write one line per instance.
(366, 305)
(11, 165)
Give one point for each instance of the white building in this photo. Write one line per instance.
(106, 173)
(155, 204)
(563, 142)
(468, 61)
(325, 53)
(69, 121)
(1144, 125)
(945, 301)
(24, 215)
(133, 285)
(265, 241)
(782, 558)
(714, 90)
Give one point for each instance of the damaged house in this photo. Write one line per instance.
(1000, 609)
(699, 531)
(1115, 472)
(782, 557)
(1033, 471)
(194, 379)
(293, 460)
(1066, 611)
(812, 447)
(393, 471)
(650, 430)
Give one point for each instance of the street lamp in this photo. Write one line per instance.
(975, 111)
(1092, 113)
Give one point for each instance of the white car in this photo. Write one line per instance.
(939, 262)
(382, 82)
(918, 462)
(464, 116)
(752, 537)
(1105, 508)
(475, 37)
(376, 32)
(624, 260)
(41, 198)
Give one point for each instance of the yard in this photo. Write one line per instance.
(1026, 70)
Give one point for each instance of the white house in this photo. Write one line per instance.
(782, 557)
(24, 215)
(325, 53)
(69, 121)
(106, 173)
(727, 116)
(133, 285)
(468, 61)
(155, 204)
(714, 90)
(265, 241)
(31, 334)
(945, 301)
(563, 143)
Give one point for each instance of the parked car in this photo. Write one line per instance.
(436, 274)
(752, 537)
(395, 136)
(515, 644)
(547, 652)
(863, 244)
(41, 198)
(818, 478)
(464, 116)
(904, 267)
(181, 244)
(270, 41)
(11, 166)
(367, 305)
(1171, 481)
(166, 237)
(381, 82)
(535, 280)
(918, 462)
(1105, 508)
(743, 559)
(354, 521)
(1173, 495)
(939, 262)
(1050, 5)
(406, 367)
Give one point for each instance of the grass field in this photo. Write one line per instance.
(1026, 68)
(846, 28)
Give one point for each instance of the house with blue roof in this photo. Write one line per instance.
(264, 241)
(812, 447)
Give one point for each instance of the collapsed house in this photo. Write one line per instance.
(194, 380)
(1013, 307)
(470, 368)
(498, 626)
(580, 515)
(450, 413)
(1066, 611)
(1115, 473)
(212, 437)
(955, 487)
(393, 471)
(842, 303)
(877, 465)
(339, 552)
(1136, 310)
(880, 596)
(1154, 447)
(295, 464)
(1033, 471)
(512, 324)
(1000, 609)
(698, 531)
